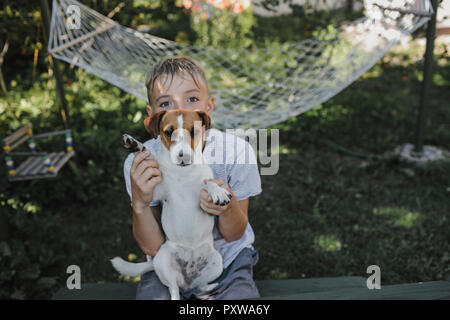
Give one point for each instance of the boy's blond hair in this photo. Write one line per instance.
(172, 67)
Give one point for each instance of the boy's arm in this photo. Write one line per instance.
(147, 229)
(233, 217)
(142, 178)
(232, 222)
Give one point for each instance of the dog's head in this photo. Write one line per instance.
(182, 132)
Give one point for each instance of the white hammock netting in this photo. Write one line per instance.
(252, 88)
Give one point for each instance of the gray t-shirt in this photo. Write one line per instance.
(233, 160)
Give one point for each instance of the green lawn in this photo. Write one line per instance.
(323, 214)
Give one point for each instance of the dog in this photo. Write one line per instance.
(187, 259)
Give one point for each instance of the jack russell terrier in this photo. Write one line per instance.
(187, 259)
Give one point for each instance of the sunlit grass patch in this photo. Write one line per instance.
(277, 274)
(401, 217)
(31, 207)
(328, 243)
(16, 204)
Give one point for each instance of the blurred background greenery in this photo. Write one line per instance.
(323, 214)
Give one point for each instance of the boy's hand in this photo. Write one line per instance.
(207, 204)
(144, 176)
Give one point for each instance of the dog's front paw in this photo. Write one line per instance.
(220, 196)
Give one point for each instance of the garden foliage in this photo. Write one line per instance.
(336, 213)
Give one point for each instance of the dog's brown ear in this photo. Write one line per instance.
(152, 124)
(206, 120)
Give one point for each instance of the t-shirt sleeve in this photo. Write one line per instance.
(126, 174)
(243, 175)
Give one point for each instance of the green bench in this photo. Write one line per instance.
(341, 288)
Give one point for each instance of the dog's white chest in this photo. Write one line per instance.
(182, 218)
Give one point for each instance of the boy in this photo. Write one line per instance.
(180, 83)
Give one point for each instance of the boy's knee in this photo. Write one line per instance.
(237, 281)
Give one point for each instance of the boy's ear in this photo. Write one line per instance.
(149, 110)
(206, 120)
(152, 124)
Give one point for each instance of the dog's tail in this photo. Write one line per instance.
(131, 269)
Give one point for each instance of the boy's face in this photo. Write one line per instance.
(180, 93)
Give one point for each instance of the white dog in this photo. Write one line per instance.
(187, 259)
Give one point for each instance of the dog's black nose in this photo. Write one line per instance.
(180, 154)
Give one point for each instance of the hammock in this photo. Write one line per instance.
(253, 88)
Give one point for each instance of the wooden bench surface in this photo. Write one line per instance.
(341, 288)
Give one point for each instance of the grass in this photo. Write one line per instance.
(323, 213)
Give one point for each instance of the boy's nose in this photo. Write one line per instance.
(177, 104)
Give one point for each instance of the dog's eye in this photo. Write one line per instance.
(168, 133)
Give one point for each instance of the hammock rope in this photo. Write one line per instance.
(253, 88)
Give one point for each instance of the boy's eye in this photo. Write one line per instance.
(193, 99)
(164, 104)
